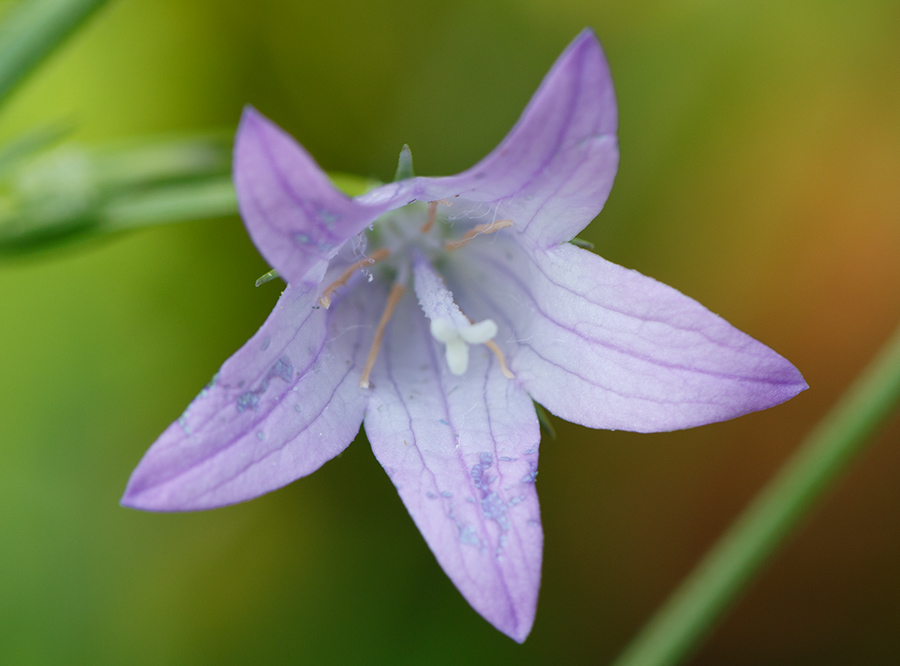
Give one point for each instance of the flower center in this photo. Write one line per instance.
(409, 251)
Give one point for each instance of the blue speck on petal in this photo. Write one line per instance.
(247, 400)
(493, 509)
(467, 535)
(283, 369)
(328, 218)
(531, 477)
(478, 472)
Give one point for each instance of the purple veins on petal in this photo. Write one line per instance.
(219, 458)
(607, 347)
(294, 214)
(552, 173)
(488, 417)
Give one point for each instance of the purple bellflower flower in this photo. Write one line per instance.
(434, 311)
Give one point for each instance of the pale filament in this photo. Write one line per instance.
(478, 230)
(393, 298)
(376, 256)
(432, 214)
(501, 359)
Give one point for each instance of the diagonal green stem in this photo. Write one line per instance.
(708, 591)
(32, 30)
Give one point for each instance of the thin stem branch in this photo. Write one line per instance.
(689, 613)
(32, 30)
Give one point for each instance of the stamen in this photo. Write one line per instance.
(478, 230)
(501, 359)
(393, 298)
(376, 256)
(432, 214)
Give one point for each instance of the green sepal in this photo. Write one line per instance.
(404, 164)
(583, 244)
(268, 277)
(544, 421)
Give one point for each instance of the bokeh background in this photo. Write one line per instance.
(760, 174)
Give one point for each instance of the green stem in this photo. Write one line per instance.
(688, 614)
(32, 30)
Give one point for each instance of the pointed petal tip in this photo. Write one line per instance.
(793, 384)
(514, 622)
(249, 115)
(587, 34)
(132, 499)
(586, 39)
(521, 632)
(140, 496)
(251, 121)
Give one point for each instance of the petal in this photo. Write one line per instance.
(607, 347)
(462, 452)
(284, 404)
(294, 214)
(553, 172)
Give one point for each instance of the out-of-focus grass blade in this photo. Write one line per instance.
(32, 29)
(173, 203)
(74, 193)
(30, 143)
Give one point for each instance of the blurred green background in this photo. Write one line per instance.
(760, 174)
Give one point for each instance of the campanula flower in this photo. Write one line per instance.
(435, 311)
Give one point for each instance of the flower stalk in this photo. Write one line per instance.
(715, 584)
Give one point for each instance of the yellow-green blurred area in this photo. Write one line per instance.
(760, 174)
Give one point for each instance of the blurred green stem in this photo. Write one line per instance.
(688, 614)
(32, 30)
